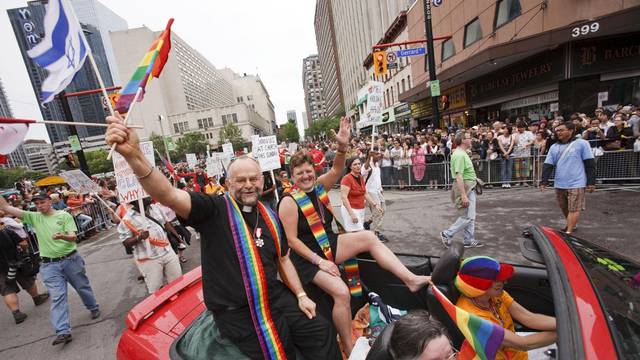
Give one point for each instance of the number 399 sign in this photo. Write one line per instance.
(585, 29)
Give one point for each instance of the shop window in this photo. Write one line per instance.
(507, 10)
(448, 49)
(472, 32)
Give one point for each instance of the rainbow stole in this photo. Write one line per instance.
(317, 228)
(255, 284)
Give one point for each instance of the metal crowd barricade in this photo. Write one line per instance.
(99, 217)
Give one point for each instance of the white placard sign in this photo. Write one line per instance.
(374, 102)
(293, 147)
(129, 189)
(80, 182)
(227, 148)
(217, 163)
(265, 150)
(192, 160)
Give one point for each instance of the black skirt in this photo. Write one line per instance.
(306, 270)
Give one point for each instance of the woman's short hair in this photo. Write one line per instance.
(412, 333)
(300, 158)
(350, 162)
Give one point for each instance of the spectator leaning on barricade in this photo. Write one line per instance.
(506, 144)
(574, 170)
(523, 139)
(61, 263)
(12, 278)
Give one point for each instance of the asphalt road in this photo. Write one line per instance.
(413, 223)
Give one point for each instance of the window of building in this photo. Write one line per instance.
(408, 81)
(235, 118)
(472, 32)
(249, 97)
(507, 10)
(200, 125)
(402, 85)
(448, 49)
(175, 128)
(240, 99)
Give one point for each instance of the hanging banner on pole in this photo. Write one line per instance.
(74, 142)
(79, 182)
(129, 188)
(265, 150)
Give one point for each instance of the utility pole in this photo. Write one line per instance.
(430, 62)
(74, 131)
(164, 141)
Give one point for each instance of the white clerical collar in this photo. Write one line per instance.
(247, 209)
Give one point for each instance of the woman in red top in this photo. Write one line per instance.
(354, 193)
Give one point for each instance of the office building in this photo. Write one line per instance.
(523, 57)
(28, 27)
(291, 116)
(5, 109)
(249, 89)
(188, 82)
(40, 156)
(312, 85)
(327, 54)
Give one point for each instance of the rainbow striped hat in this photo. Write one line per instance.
(477, 274)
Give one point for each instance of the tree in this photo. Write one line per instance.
(290, 132)
(8, 177)
(322, 127)
(97, 161)
(193, 143)
(231, 133)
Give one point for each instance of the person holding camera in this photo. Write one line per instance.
(12, 251)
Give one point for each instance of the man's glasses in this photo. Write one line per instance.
(243, 180)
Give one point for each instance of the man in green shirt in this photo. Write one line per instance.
(61, 263)
(463, 193)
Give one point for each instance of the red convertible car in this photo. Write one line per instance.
(593, 293)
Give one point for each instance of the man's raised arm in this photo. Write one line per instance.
(11, 210)
(151, 179)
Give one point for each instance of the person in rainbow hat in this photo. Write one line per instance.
(480, 281)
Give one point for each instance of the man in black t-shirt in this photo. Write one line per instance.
(295, 321)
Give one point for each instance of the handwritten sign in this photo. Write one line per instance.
(293, 147)
(217, 163)
(265, 150)
(129, 189)
(192, 160)
(80, 182)
(227, 148)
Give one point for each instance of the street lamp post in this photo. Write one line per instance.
(164, 140)
(430, 62)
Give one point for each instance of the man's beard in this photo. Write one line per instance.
(238, 196)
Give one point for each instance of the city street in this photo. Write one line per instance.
(413, 222)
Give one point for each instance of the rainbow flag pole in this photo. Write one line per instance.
(126, 119)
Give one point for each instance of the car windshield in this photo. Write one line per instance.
(617, 282)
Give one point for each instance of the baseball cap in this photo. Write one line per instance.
(477, 274)
(41, 196)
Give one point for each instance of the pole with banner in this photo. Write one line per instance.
(430, 63)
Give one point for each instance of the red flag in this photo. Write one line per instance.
(163, 52)
(3, 160)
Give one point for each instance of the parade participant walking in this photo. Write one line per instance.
(317, 253)
(354, 193)
(242, 250)
(61, 262)
(373, 181)
(11, 276)
(150, 246)
(463, 193)
(575, 169)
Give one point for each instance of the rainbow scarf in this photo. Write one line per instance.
(317, 229)
(150, 66)
(482, 337)
(255, 284)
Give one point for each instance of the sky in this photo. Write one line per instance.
(269, 38)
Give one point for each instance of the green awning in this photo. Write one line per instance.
(362, 99)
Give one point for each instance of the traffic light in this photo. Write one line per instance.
(444, 102)
(380, 63)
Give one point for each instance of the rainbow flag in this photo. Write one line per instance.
(483, 338)
(151, 66)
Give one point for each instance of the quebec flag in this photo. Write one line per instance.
(62, 51)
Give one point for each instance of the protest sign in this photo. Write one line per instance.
(129, 189)
(227, 148)
(79, 181)
(192, 160)
(217, 163)
(293, 147)
(265, 150)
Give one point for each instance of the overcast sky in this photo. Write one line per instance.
(269, 38)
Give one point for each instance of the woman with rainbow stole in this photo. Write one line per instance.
(243, 250)
(306, 216)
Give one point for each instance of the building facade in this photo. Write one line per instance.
(94, 13)
(210, 121)
(523, 57)
(249, 89)
(312, 84)
(328, 56)
(291, 116)
(5, 108)
(28, 27)
(40, 156)
(188, 82)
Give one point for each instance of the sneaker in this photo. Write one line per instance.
(367, 225)
(508, 186)
(564, 229)
(182, 246)
(62, 339)
(473, 244)
(19, 316)
(40, 299)
(383, 239)
(525, 184)
(446, 241)
(95, 314)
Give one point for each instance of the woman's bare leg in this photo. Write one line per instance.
(341, 314)
(352, 244)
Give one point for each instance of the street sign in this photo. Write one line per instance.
(391, 58)
(170, 145)
(74, 142)
(435, 87)
(411, 52)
